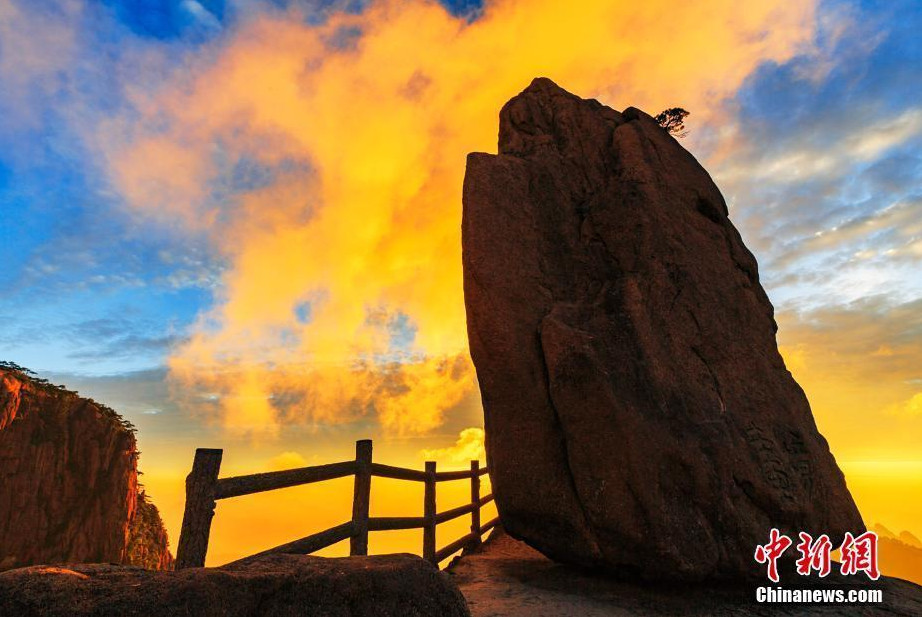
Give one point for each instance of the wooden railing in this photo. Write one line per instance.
(204, 488)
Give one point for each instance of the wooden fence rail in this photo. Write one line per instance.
(204, 488)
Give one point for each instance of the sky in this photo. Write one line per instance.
(238, 223)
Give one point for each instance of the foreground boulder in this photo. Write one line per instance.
(69, 481)
(278, 585)
(638, 414)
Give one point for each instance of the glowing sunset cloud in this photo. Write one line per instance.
(325, 164)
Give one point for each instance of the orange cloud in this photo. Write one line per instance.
(287, 460)
(469, 447)
(350, 238)
(910, 408)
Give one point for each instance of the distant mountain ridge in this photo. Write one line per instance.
(69, 489)
(900, 555)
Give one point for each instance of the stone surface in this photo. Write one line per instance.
(506, 578)
(278, 585)
(638, 414)
(69, 482)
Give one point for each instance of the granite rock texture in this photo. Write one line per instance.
(638, 414)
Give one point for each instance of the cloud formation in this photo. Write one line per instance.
(325, 162)
(468, 447)
(821, 167)
(286, 460)
(832, 210)
(35, 47)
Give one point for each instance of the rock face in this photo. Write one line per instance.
(148, 543)
(638, 414)
(69, 481)
(278, 585)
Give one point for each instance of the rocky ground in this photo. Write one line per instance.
(506, 578)
(276, 585)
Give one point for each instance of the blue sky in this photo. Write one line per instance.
(824, 178)
(860, 204)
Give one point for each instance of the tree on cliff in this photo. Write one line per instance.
(673, 120)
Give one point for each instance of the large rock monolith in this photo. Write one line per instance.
(638, 414)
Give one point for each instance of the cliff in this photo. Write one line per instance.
(69, 481)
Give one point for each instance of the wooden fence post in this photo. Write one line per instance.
(361, 498)
(200, 505)
(475, 502)
(429, 513)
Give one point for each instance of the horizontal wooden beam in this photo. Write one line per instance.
(482, 471)
(489, 525)
(397, 473)
(448, 515)
(486, 499)
(310, 544)
(259, 482)
(388, 523)
(454, 547)
(445, 476)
